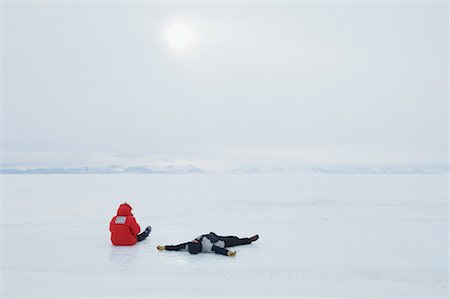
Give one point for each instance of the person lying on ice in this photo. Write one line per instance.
(124, 228)
(211, 243)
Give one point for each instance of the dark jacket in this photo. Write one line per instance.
(209, 243)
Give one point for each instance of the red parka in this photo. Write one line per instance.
(124, 227)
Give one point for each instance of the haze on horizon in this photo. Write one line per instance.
(225, 84)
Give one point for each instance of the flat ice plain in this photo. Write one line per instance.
(321, 235)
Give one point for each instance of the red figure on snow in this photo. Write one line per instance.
(124, 228)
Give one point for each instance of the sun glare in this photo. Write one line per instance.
(178, 36)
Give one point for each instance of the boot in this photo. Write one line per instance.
(254, 238)
(148, 229)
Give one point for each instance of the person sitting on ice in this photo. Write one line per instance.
(211, 243)
(124, 228)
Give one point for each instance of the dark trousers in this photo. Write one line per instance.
(231, 241)
(142, 236)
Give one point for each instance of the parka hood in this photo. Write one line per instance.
(124, 210)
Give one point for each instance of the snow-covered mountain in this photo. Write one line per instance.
(186, 169)
(347, 170)
(113, 169)
(381, 170)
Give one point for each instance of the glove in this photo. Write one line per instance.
(161, 248)
(231, 253)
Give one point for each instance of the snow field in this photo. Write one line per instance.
(321, 235)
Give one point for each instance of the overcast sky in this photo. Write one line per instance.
(225, 84)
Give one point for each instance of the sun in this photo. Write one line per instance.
(178, 36)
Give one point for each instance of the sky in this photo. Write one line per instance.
(225, 84)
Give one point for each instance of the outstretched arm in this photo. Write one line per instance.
(182, 246)
(223, 251)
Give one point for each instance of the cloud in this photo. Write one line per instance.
(286, 83)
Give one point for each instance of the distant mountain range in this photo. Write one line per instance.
(113, 169)
(190, 169)
(382, 170)
(348, 170)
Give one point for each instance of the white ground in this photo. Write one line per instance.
(320, 235)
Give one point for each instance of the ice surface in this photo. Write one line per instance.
(320, 235)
